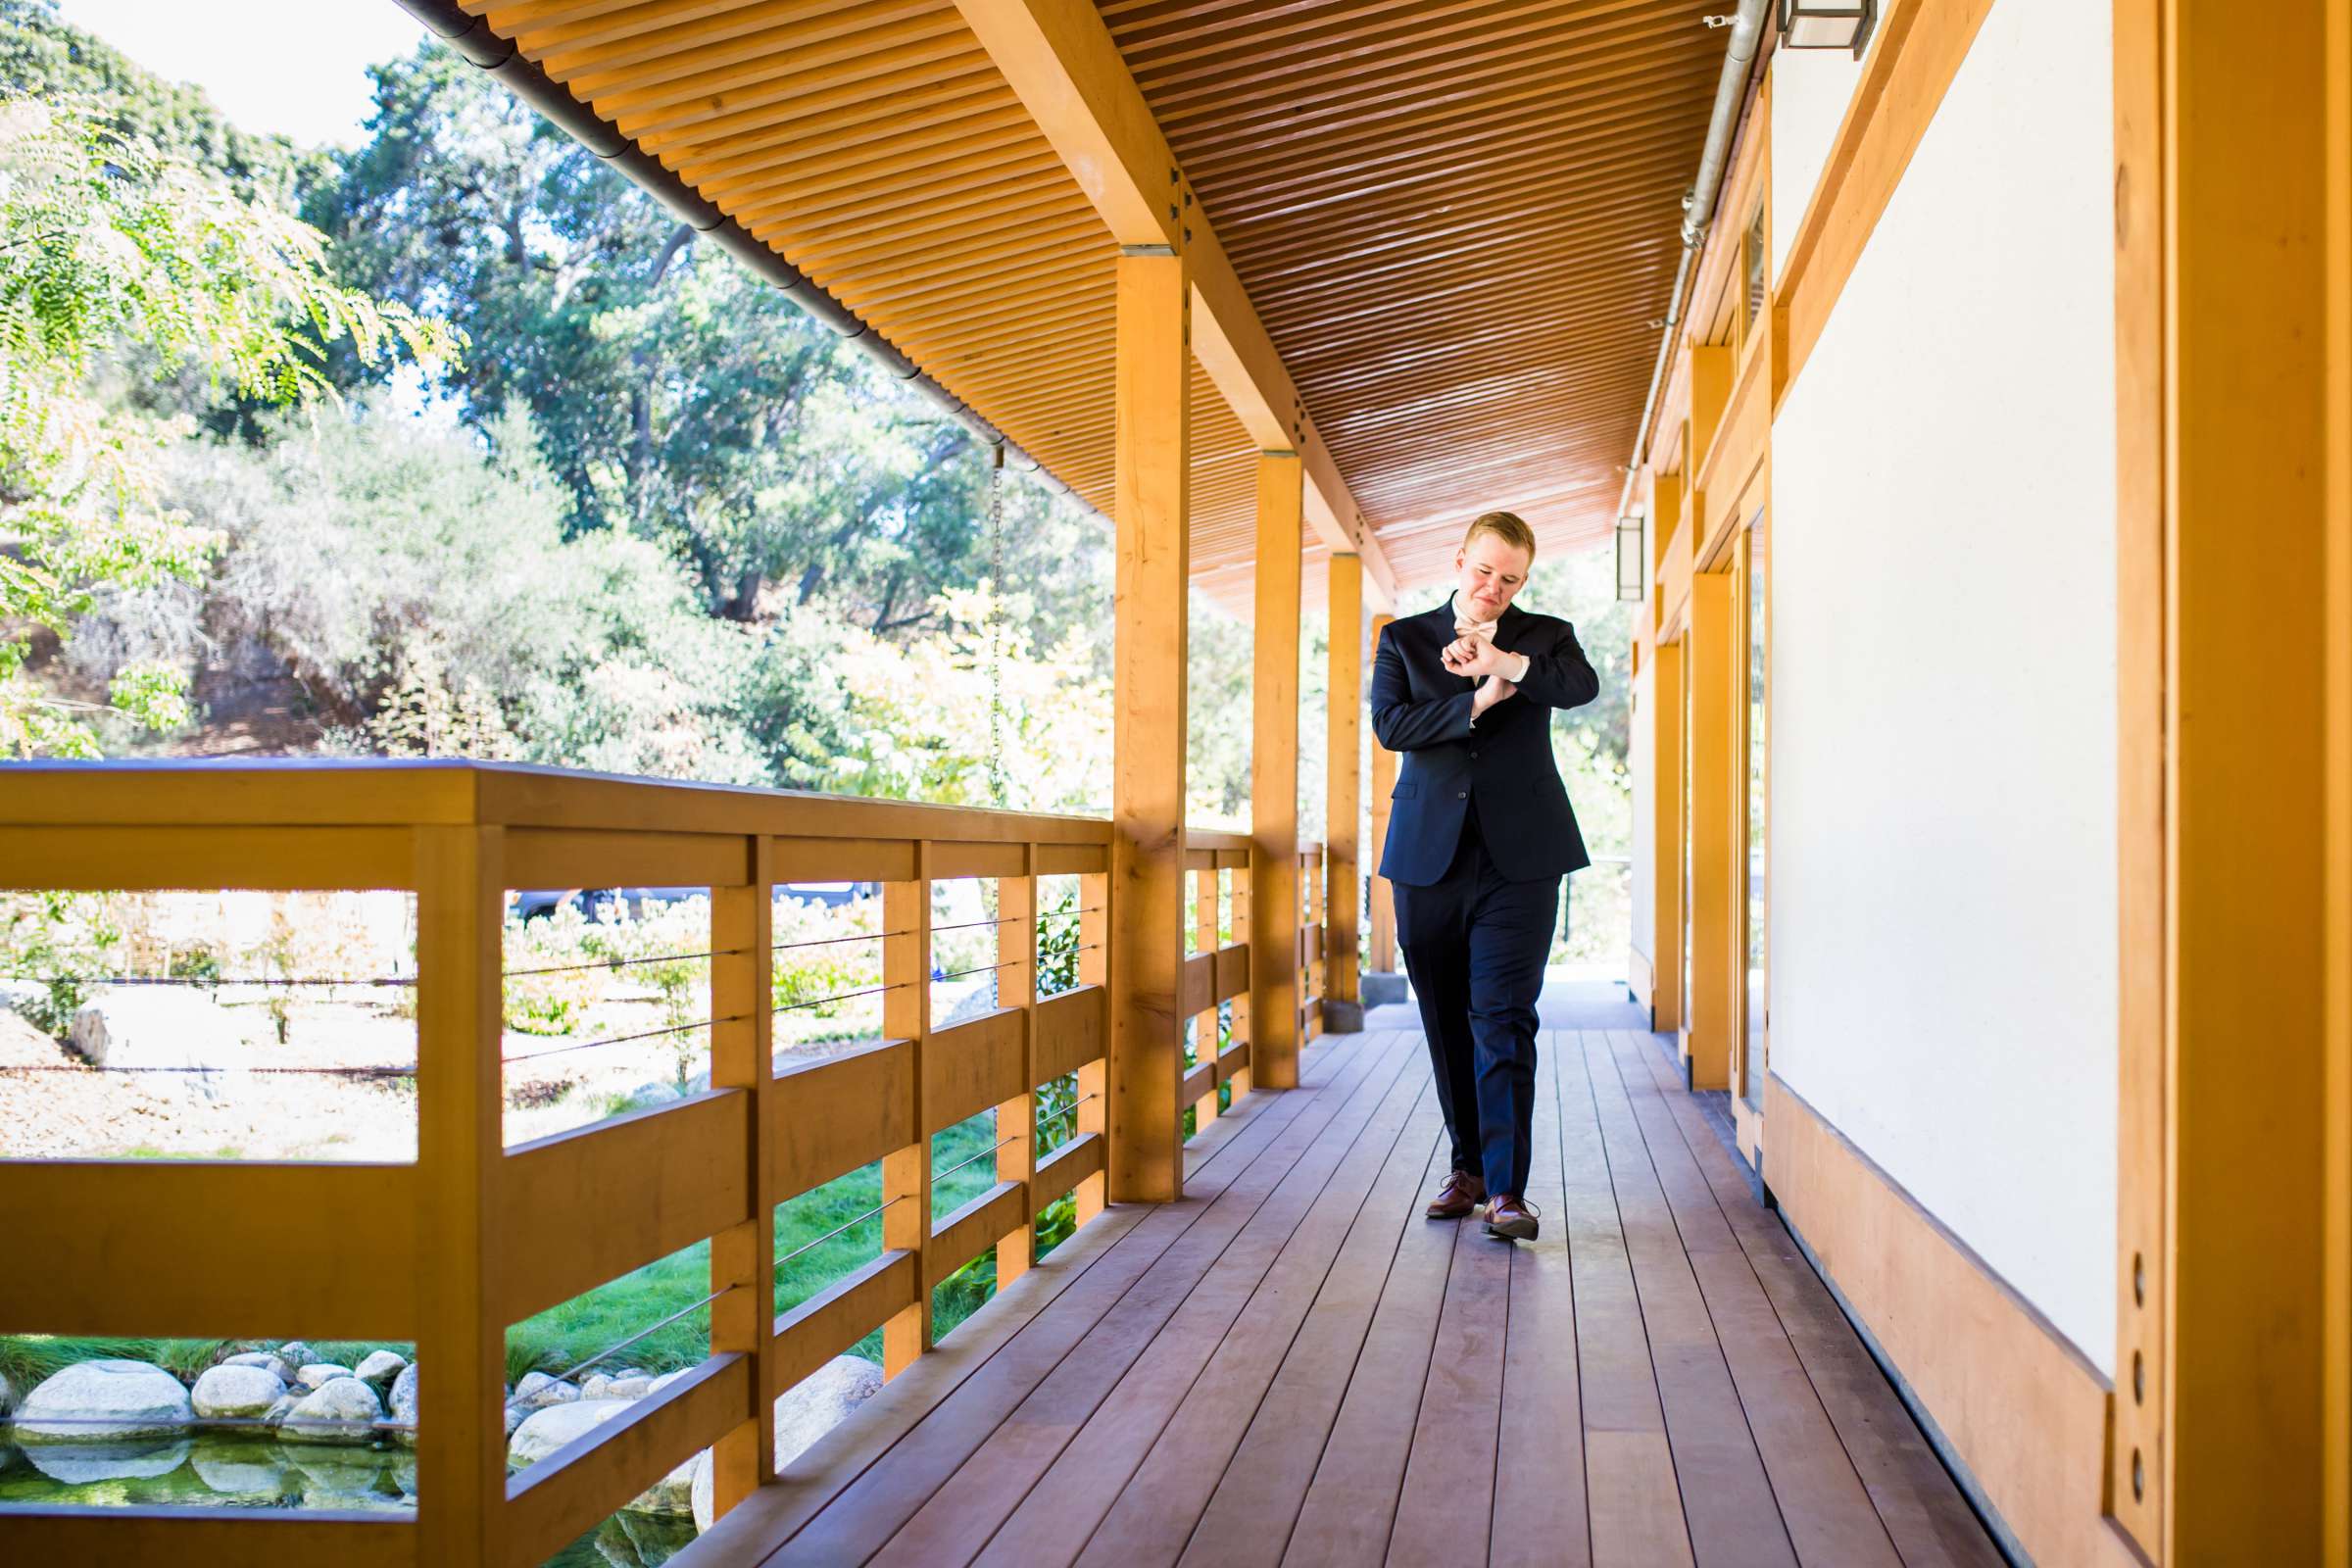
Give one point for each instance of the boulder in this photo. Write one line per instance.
(283, 1408)
(247, 1470)
(319, 1374)
(283, 1368)
(550, 1427)
(537, 1391)
(180, 1037)
(404, 1405)
(296, 1354)
(378, 1368)
(105, 1401)
(344, 1478)
(808, 1411)
(517, 1415)
(8, 1395)
(340, 1411)
(636, 1386)
(236, 1392)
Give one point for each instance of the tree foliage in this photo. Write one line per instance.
(107, 244)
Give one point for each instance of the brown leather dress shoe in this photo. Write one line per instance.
(1510, 1218)
(1458, 1198)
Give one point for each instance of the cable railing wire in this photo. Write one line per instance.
(408, 1071)
(845, 1225)
(972, 1158)
(622, 1040)
(623, 964)
(610, 1350)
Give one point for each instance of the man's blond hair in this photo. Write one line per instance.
(1506, 526)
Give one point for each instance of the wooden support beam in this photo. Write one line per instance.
(1094, 1076)
(1381, 897)
(460, 1447)
(1343, 789)
(1664, 712)
(1708, 671)
(1060, 60)
(743, 1256)
(907, 1170)
(1151, 478)
(1274, 778)
(2234, 413)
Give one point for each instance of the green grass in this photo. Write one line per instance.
(25, 1359)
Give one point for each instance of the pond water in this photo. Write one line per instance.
(239, 1470)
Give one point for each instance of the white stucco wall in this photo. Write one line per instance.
(1944, 917)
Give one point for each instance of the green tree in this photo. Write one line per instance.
(107, 243)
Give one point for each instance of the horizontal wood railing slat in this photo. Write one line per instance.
(591, 1477)
(1071, 1031)
(173, 1538)
(840, 1315)
(1068, 1166)
(291, 859)
(181, 1248)
(1232, 971)
(1198, 1080)
(970, 1066)
(840, 1114)
(621, 1194)
(1195, 991)
(973, 1229)
(542, 858)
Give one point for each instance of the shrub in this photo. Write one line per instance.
(64, 942)
(554, 975)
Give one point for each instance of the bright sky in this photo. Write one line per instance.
(299, 66)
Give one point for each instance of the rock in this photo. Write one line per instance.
(236, 1392)
(8, 1395)
(404, 1405)
(278, 1365)
(378, 1368)
(345, 1478)
(807, 1412)
(175, 1038)
(595, 1386)
(250, 1471)
(105, 1401)
(281, 1410)
(656, 1093)
(537, 1391)
(517, 1415)
(296, 1354)
(79, 1464)
(550, 1427)
(319, 1374)
(340, 1410)
(629, 1387)
(667, 1378)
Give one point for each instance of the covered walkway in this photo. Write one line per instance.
(1289, 1366)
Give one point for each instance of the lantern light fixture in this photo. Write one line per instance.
(1817, 24)
(1629, 557)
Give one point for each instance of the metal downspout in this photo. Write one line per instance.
(1699, 212)
(472, 37)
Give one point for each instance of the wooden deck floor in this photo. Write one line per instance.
(1292, 1367)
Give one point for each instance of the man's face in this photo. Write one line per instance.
(1487, 574)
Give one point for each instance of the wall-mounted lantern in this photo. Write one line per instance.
(1813, 24)
(1629, 558)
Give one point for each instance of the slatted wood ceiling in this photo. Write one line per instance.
(1456, 220)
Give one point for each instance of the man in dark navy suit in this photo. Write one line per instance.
(1480, 835)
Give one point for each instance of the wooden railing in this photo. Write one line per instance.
(446, 1252)
(1313, 925)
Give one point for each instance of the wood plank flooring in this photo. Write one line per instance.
(1290, 1367)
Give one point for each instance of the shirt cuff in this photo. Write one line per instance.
(1524, 661)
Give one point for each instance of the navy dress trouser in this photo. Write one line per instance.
(1475, 944)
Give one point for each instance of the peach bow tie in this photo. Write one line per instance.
(1475, 629)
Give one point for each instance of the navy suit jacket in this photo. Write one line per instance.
(1421, 709)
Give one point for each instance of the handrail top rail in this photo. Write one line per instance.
(451, 791)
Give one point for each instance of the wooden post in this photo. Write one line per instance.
(1093, 1078)
(1016, 1118)
(461, 1007)
(2234, 415)
(1274, 778)
(1664, 712)
(1715, 780)
(1150, 479)
(744, 1256)
(1205, 1022)
(907, 1172)
(1344, 792)
(1381, 897)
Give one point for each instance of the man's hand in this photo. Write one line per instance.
(1473, 656)
(1493, 689)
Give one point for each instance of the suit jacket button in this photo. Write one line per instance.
(1462, 795)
